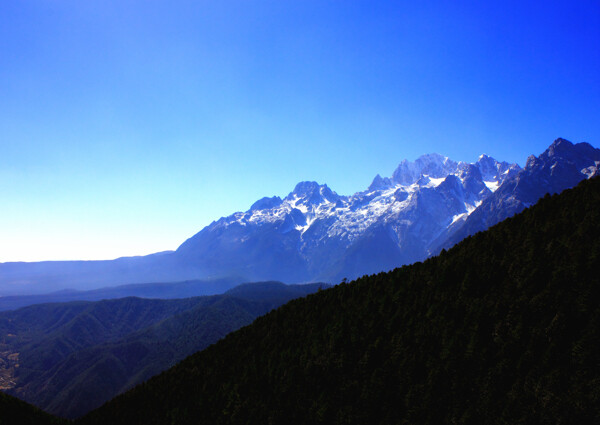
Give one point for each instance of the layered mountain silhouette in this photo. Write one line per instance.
(69, 358)
(502, 328)
(314, 234)
(162, 290)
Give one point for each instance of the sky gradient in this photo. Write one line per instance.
(128, 126)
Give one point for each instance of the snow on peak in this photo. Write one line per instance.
(493, 185)
(435, 184)
(433, 165)
(266, 203)
(380, 183)
(305, 188)
(494, 172)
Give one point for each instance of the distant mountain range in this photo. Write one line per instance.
(314, 234)
(162, 290)
(501, 328)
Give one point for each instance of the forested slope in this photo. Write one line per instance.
(16, 412)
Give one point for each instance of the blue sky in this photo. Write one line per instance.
(127, 126)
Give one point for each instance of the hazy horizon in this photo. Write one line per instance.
(129, 126)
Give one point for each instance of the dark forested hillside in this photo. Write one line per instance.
(16, 412)
(502, 329)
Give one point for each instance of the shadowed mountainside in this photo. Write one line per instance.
(14, 411)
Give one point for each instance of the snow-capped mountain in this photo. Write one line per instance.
(560, 167)
(314, 233)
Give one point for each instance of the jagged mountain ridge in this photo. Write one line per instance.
(563, 165)
(314, 233)
(429, 204)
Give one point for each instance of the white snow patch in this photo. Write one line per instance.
(435, 182)
(492, 185)
(458, 217)
(471, 208)
(304, 228)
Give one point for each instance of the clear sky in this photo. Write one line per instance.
(127, 126)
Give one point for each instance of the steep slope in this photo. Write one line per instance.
(76, 367)
(503, 328)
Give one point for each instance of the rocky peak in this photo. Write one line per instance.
(379, 183)
(580, 155)
(434, 165)
(488, 167)
(560, 144)
(305, 188)
(266, 203)
(310, 192)
(492, 170)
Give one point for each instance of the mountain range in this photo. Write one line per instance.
(500, 329)
(314, 234)
(162, 290)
